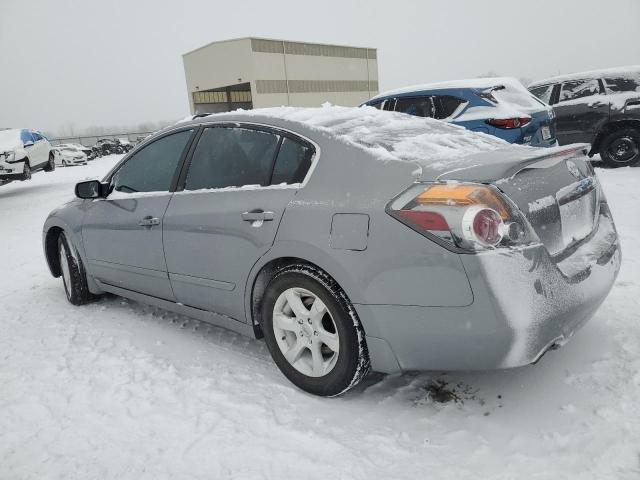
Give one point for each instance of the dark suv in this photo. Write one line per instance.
(601, 108)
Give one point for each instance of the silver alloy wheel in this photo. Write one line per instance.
(306, 332)
(66, 271)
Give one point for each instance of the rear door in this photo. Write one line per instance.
(237, 186)
(581, 108)
(122, 233)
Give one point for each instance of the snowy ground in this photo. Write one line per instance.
(116, 389)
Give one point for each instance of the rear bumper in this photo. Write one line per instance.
(523, 305)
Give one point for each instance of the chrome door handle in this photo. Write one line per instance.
(257, 215)
(149, 221)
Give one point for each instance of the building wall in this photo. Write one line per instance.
(286, 73)
(216, 65)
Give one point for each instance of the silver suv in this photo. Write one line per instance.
(350, 239)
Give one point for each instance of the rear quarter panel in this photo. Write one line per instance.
(398, 265)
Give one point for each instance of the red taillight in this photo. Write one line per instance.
(431, 221)
(508, 123)
(482, 225)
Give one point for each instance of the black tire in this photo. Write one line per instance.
(26, 175)
(621, 148)
(75, 280)
(352, 363)
(51, 165)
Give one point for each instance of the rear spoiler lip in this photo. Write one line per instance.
(490, 173)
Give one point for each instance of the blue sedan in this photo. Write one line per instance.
(496, 106)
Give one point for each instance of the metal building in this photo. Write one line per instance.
(258, 72)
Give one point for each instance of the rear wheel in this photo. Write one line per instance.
(313, 332)
(51, 164)
(621, 148)
(73, 274)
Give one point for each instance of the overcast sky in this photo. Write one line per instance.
(97, 62)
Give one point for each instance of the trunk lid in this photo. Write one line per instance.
(556, 190)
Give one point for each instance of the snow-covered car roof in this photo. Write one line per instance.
(385, 135)
(475, 83)
(605, 72)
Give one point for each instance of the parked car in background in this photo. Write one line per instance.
(88, 151)
(68, 155)
(125, 144)
(350, 238)
(108, 146)
(498, 106)
(22, 152)
(600, 107)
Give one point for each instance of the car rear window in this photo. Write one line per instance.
(521, 99)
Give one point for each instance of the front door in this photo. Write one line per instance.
(238, 185)
(580, 110)
(122, 233)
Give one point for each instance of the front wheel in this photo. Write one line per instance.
(73, 275)
(51, 164)
(313, 332)
(621, 148)
(26, 172)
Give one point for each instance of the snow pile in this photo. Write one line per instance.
(389, 136)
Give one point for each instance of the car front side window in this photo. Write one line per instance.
(232, 157)
(152, 169)
(575, 89)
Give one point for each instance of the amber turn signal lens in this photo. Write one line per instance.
(462, 196)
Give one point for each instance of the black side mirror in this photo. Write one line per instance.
(28, 144)
(90, 189)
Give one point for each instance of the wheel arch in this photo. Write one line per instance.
(51, 250)
(609, 127)
(289, 253)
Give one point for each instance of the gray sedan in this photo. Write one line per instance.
(350, 239)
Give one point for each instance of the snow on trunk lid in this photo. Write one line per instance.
(559, 197)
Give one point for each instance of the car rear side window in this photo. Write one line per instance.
(292, 163)
(231, 157)
(446, 105)
(419, 106)
(152, 168)
(622, 84)
(575, 89)
(543, 92)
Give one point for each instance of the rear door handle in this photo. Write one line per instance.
(258, 215)
(149, 221)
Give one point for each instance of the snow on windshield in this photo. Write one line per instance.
(390, 135)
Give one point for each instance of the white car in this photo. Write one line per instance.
(68, 155)
(22, 152)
